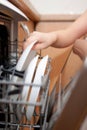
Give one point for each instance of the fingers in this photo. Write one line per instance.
(43, 40)
(39, 46)
(36, 36)
(30, 39)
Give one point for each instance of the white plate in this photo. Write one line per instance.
(35, 90)
(22, 64)
(26, 57)
(28, 78)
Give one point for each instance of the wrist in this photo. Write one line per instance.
(54, 37)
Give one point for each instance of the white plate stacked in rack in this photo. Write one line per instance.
(22, 64)
(35, 90)
(34, 69)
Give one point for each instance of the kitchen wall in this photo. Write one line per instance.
(60, 6)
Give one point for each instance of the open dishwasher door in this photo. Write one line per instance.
(74, 104)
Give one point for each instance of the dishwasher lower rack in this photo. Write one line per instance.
(11, 116)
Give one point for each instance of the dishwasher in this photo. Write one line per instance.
(13, 110)
(19, 107)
